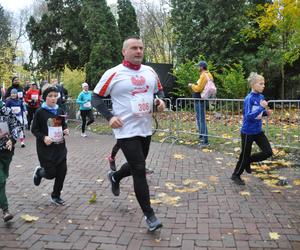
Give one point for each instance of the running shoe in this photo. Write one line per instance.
(7, 216)
(115, 186)
(57, 201)
(153, 223)
(83, 135)
(22, 145)
(237, 180)
(112, 163)
(36, 177)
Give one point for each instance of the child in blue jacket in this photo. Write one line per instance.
(255, 107)
(18, 109)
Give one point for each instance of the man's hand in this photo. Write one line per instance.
(190, 85)
(115, 122)
(66, 131)
(160, 104)
(47, 140)
(9, 145)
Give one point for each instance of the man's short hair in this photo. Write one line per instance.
(128, 38)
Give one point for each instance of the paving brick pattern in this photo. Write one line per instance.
(216, 216)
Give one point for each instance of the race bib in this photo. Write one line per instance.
(56, 134)
(87, 105)
(15, 110)
(141, 105)
(4, 131)
(20, 94)
(34, 97)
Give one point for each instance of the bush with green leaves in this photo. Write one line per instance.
(231, 82)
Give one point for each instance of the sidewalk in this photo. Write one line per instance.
(194, 197)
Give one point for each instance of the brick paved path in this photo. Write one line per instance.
(197, 203)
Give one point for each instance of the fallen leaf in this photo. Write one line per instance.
(158, 240)
(213, 179)
(170, 185)
(70, 221)
(178, 156)
(206, 150)
(29, 218)
(296, 182)
(237, 149)
(276, 191)
(274, 236)
(244, 193)
(93, 198)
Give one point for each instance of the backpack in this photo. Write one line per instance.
(210, 90)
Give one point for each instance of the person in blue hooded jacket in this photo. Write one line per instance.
(255, 107)
(19, 110)
(84, 99)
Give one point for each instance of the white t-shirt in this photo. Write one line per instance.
(131, 93)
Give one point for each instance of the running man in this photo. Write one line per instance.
(131, 86)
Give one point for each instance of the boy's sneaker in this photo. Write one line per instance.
(115, 186)
(36, 177)
(7, 216)
(112, 163)
(57, 201)
(237, 180)
(153, 223)
(83, 135)
(22, 145)
(149, 171)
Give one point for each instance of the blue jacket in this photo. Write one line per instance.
(252, 114)
(84, 99)
(13, 104)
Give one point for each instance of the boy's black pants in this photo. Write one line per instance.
(246, 158)
(58, 171)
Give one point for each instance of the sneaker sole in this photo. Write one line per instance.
(110, 181)
(155, 228)
(34, 175)
(8, 218)
(57, 204)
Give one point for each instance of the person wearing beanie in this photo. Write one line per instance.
(33, 100)
(15, 84)
(84, 100)
(49, 127)
(10, 129)
(18, 109)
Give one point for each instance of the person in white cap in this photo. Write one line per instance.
(84, 100)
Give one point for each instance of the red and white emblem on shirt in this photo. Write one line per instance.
(138, 80)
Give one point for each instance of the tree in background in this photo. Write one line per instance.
(59, 36)
(104, 36)
(127, 21)
(156, 30)
(6, 48)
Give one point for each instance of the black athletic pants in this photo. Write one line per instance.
(246, 158)
(84, 114)
(136, 150)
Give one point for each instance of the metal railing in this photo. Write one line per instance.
(223, 119)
